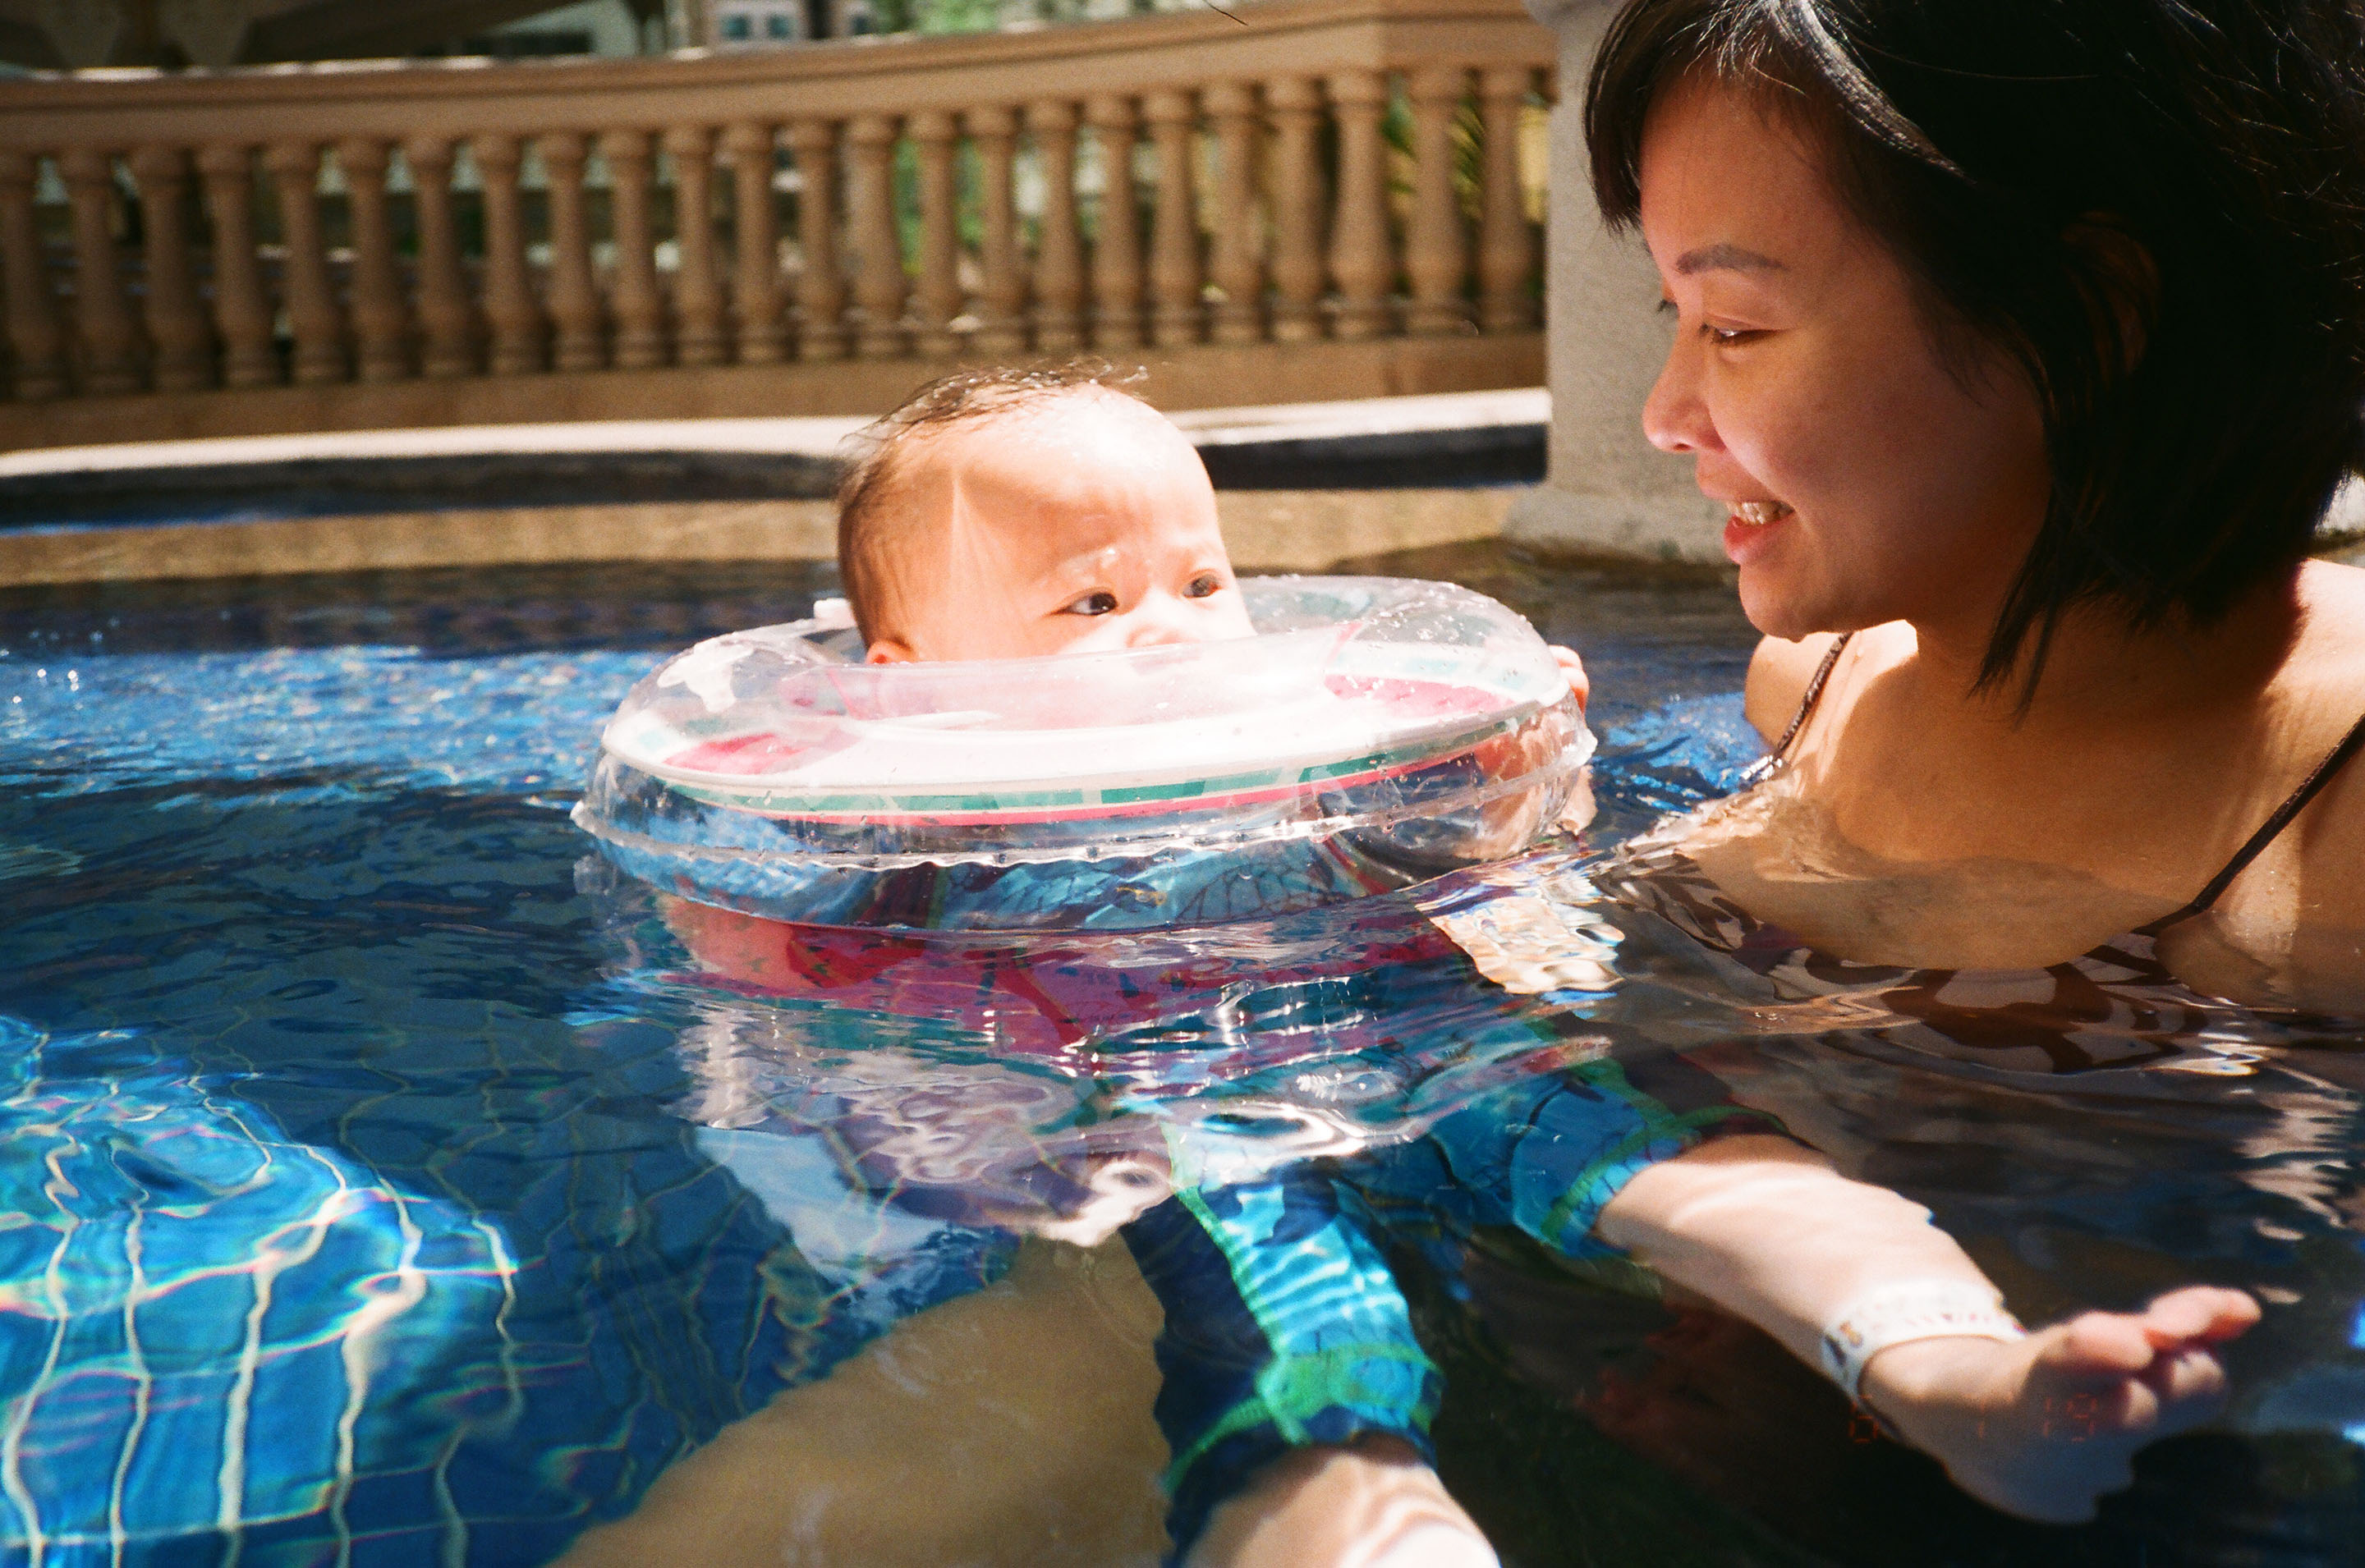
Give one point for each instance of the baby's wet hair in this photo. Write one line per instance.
(866, 494)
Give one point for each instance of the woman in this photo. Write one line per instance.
(2025, 344)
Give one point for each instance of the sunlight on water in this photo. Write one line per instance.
(389, 1181)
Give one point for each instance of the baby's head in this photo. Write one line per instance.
(1015, 513)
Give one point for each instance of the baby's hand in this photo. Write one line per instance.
(1573, 667)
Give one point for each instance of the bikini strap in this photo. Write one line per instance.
(2310, 786)
(1765, 766)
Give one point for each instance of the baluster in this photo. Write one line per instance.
(242, 314)
(103, 319)
(755, 286)
(1116, 254)
(510, 308)
(1506, 241)
(1240, 231)
(1437, 251)
(821, 285)
(447, 321)
(1060, 258)
(1001, 293)
(573, 293)
(176, 317)
(35, 338)
(1175, 310)
(939, 295)
(311, 299)
(633, 298)
(878, 253)
(380, 320)
(1359, 262)
(699, 336)
(1295, 104)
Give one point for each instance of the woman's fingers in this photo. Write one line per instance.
(2206, 1313)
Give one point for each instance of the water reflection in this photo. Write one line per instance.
(630, 1172)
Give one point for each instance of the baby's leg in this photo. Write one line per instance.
(1372, 1504)
(1006, 1429)
(1295, 1399)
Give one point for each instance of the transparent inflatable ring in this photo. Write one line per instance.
(1374, 734)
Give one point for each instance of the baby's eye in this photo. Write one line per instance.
(1099, 603)
(1727, 335)
(1204, 584)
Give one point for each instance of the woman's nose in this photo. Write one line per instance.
(1675, 417)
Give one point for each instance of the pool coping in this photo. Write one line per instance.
(726, 490)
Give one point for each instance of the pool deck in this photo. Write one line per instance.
(1289, 492)
(1270, 529)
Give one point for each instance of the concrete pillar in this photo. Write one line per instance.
(1607, 491)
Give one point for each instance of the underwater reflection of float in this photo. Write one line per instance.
(1088, 865)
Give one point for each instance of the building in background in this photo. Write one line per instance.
(760, 24)
(82, 34)
(605, 28)
(768, 24)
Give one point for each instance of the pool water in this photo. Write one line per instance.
(388, 1181)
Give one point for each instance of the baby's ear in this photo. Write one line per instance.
(890, 651)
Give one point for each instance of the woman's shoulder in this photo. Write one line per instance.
(1779, 673)
(2328, 673)
(2333, 594)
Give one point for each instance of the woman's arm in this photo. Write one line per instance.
(1766, 1229)
(2038, 1427)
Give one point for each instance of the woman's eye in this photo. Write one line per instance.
(1204, 584)
(1102, 603)
(1727, 335)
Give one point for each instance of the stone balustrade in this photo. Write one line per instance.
(1299, 171)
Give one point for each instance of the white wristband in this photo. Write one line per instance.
(1908, 1310)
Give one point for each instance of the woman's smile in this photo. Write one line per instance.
(1751, 527)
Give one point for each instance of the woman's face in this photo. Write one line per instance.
(1867, 478)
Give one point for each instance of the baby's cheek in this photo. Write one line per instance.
(1233, 617)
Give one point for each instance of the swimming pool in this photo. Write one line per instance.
(385, 1184)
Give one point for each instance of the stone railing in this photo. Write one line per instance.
(1300, 169)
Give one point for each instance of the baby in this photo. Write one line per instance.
(1014, 514)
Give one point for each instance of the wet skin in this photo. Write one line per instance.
(1888, 483)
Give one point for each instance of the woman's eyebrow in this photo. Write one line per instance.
(1722, 257)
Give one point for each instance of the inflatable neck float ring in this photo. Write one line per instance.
(1374, 734)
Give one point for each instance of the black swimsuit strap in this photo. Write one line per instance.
(1806, 704)
(2310, 786)
(2269, 831)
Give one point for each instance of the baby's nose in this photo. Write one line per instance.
(1158, 619)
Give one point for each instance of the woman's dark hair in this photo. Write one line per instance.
(2202, 387)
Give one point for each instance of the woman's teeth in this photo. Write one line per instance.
(1758, 514)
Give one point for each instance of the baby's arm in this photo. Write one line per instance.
(2038, 1427)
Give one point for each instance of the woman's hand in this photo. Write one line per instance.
(1573, 667)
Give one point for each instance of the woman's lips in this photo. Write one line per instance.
(1748, 526)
